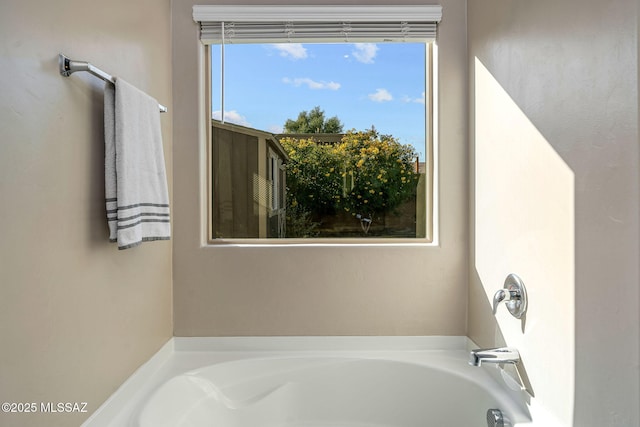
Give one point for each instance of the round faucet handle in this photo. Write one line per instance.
(514, 294)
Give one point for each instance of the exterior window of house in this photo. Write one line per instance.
(321, 137)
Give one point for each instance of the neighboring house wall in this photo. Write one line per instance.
(235, 164)
(243, 185)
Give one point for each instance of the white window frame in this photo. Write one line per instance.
(257, 13)
(314, 13)
(275, 165)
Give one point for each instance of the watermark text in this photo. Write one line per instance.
(47, 407)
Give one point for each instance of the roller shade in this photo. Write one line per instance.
(308, 24)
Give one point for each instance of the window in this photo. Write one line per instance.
(320, 128)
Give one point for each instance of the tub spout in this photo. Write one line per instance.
(494, 355)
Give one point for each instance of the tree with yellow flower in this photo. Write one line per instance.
(365, 173)
(383, 170)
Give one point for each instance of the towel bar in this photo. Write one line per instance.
(69, 66)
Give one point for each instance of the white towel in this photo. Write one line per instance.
(136, 192)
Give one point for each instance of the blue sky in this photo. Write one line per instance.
(364, 84)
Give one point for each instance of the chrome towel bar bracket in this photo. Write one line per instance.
(69, 66)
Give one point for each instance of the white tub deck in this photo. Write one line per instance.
(145, 398)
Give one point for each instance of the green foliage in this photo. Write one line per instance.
(313, 121)
(365, 173)
(313, 180)
(383, 172)
(300, 224)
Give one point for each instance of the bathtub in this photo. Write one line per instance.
(405, 387)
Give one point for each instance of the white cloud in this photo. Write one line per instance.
(420, 100)
(275, 129)
(381, 95)
(311, 84)
(365, 52)
(291, 50)
(231, 117)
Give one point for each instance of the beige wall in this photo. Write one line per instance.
(554, 149)
(77, 316)
(320, 290)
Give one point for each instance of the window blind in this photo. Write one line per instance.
(308, 24)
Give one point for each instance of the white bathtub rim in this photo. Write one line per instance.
(124, 397)
(452, 362)
(321, 343)
(135, 390)
(129, 393)
(419, 359)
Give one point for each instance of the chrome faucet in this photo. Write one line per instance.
(494, 355)
(514, 295)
